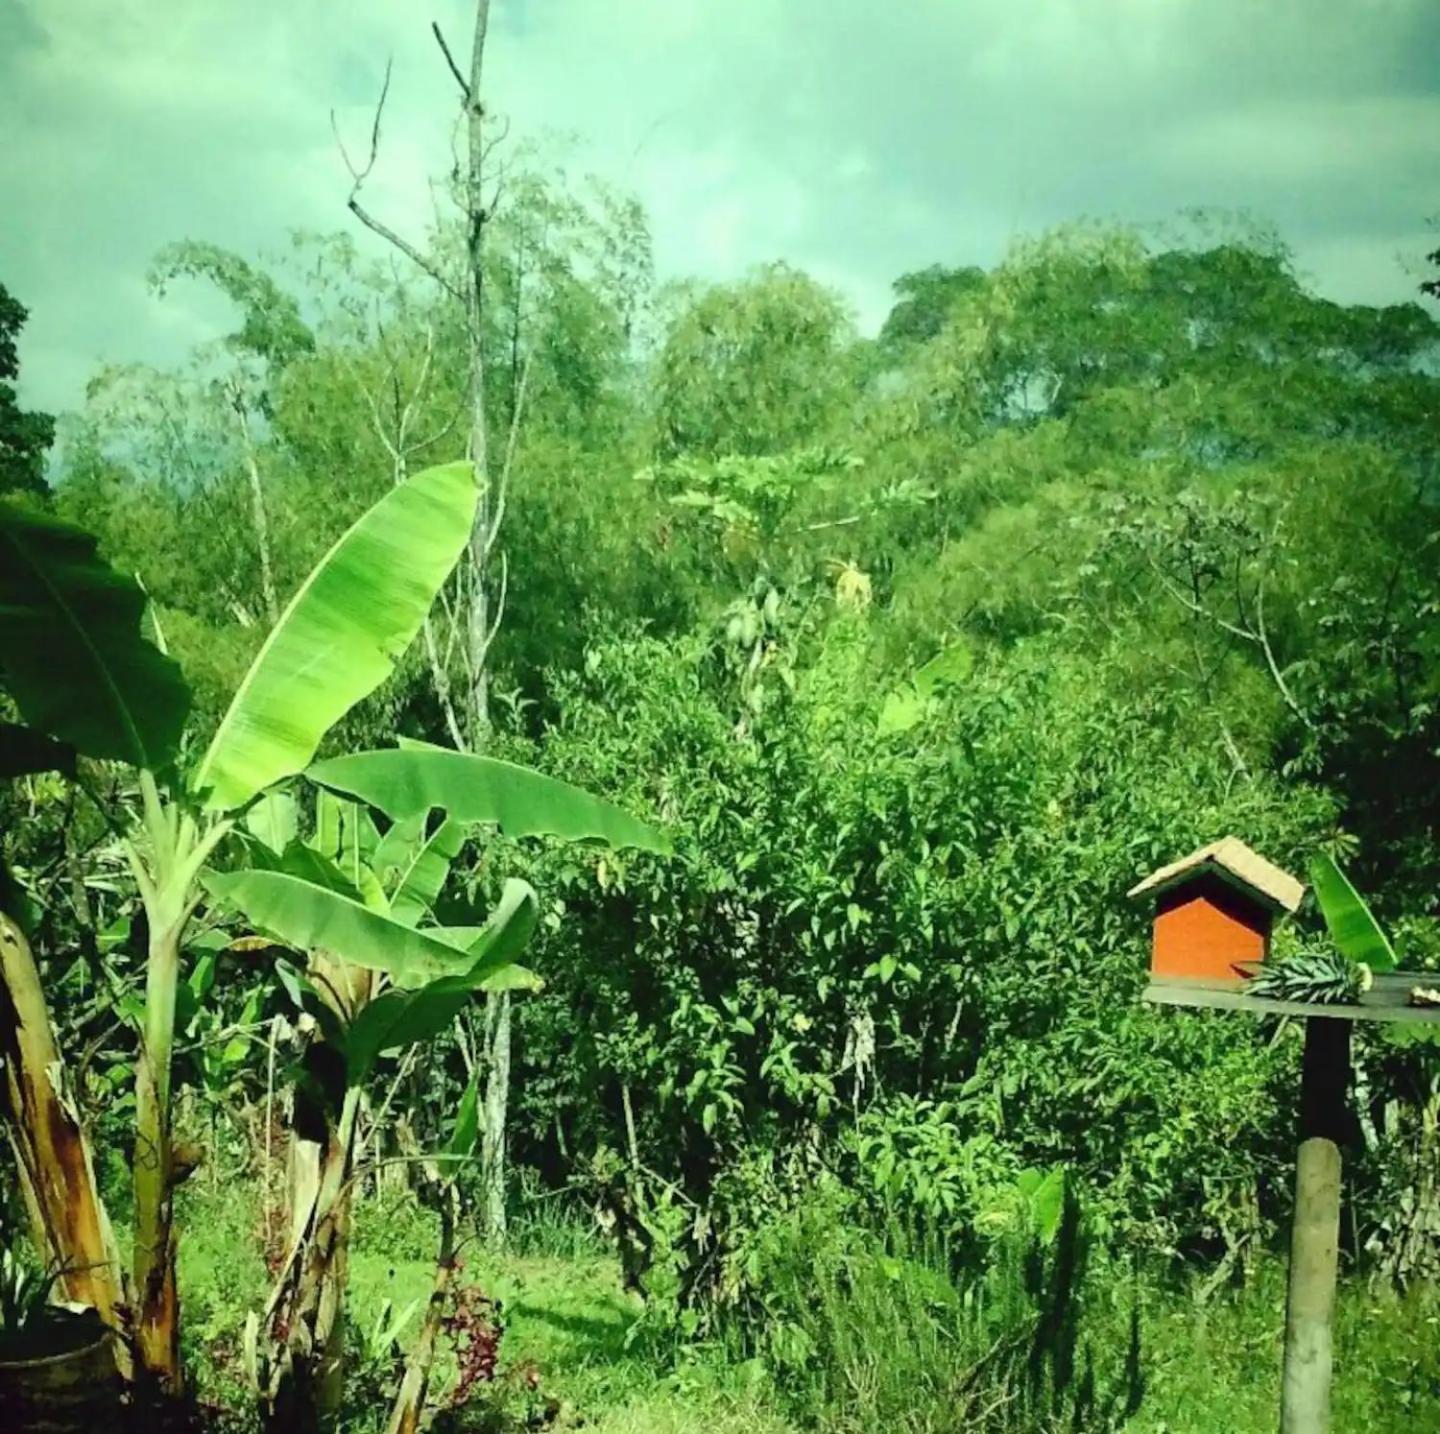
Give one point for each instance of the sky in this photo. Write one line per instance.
(856, 139)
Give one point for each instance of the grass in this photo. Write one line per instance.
(563, 1308)
(1204, 1367)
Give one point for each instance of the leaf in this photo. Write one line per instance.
(309, 917)
(71, 652)
(461, 1144)
(1353, 927)
(347, 841)
(502, 938)
(341, 634)
(912, 701)
(302, 860)
(949, 666)
(418, 864)
(1047, 1202)
(402, 782)
(400, 1018)
(274, 820)
(23, 750)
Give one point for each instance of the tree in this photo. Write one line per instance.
(271, 335)
(751, 368)
(24, 436)
(924, 302)
(70, 664)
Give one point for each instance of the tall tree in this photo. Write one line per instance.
(24, 437)
(491, 482)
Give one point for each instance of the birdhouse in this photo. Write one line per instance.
(1215, 908)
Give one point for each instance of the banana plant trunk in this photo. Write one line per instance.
(57, 1171)
(409, 1406)
(301, 1371)
(157, 1304)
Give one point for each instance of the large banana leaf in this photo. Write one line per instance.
(402, 1018)
(71, 653)
(341, 635)
(310, 917)
(402, 782)
(24, 750)
(1352, 926)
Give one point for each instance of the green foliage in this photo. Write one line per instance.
(1355, 932)
(344, 630)
(921, 651)
(751, 368)
(24, 436)
(24, 1295)
(74, 658)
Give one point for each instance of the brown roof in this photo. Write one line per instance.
(1231, 858)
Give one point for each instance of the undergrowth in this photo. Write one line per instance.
(849, 1331)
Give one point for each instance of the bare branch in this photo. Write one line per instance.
(358, 178)
(450, 60)
(498, 139)
(441, 678)
(361, 175)
(1199, 608)
(406, 248)
(1263, 638)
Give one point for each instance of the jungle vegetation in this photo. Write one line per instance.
(799, 705)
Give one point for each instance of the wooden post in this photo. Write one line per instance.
(1315, 1236)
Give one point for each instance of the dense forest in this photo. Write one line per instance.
(801, 705)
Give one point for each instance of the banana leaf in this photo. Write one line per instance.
(312, 918)
(1356, 933)
(24, 750)
(413, 866)
(402, 782)
(399, 1018)
(71, 653)
(341, 635)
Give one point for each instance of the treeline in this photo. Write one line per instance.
(924, 647)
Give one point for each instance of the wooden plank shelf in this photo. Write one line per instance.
(1387, 1000)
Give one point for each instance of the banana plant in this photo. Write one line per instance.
(62, 614)
(381, 976)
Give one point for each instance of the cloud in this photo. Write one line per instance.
(854, 140)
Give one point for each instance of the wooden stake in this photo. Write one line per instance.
(1315, 1236)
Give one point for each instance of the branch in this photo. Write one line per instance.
(440, 677)
(1199, 609)
(450, 60)
(406, 248)
(1263, 638)
(358, 178)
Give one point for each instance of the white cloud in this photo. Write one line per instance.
(852, 139)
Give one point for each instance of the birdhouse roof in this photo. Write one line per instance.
(1231, 859)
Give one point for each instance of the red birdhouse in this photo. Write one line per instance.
(1214, 908)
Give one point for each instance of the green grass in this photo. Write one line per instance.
(563, 1309)
(1205, 1367)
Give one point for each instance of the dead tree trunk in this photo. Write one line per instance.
(57, 1173)
(479, 624)
(299, 1351)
